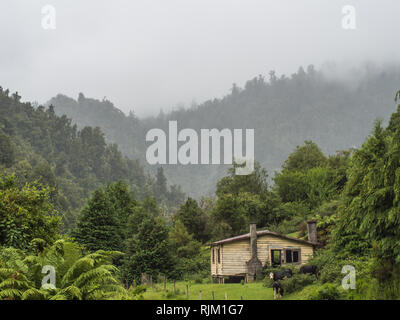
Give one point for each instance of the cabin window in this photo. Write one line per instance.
(213, 255)
(276, 257)
(296, 256)
(292, 256)
(219, 255)
(289, 256)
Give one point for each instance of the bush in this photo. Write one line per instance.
(198, 279)
(330, 266)
(139, 290)
(327, 291)
(170, 295)
(207, 280)
(297, 282)
(268, 282)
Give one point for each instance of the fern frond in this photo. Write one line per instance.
(33, 294)
(10, 294)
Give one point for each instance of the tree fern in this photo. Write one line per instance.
(77, 277)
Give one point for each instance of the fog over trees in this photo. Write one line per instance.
(335, 109)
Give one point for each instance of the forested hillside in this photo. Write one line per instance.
(40, 147)
(284, 111)
(122, 232)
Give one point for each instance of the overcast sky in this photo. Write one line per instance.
(148, 55)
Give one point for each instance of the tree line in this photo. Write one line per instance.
(36, 145)
(284, 110)
(121, 233)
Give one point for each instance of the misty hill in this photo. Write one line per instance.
(36, 145)
(336, 113)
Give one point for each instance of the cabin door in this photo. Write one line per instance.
(276, 258)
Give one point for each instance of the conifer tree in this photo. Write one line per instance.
(98, 227)
(148, 248)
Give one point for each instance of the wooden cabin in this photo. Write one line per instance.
(244, 256)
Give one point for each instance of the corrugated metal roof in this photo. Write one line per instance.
(261, 233)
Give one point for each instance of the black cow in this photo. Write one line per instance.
(280, 275)
(311, 269)
(278, 289)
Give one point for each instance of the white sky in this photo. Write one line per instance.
(148, 55)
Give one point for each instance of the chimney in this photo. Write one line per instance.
(253, 240)
(254, 265)
(312, 231)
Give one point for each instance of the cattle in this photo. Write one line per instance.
(278, 289)
(311, 269)
(280, 275)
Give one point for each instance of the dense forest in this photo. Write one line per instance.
(37, 146)
(334, 112)
(73, 202)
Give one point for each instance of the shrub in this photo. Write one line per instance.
(297, 282)
(268, 282)
(327, 291)
(207, 280)
(330, 266)
(139, 290)
(198, 279)
(170, 295)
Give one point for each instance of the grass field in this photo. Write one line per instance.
(234, 291)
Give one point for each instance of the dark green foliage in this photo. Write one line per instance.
(98, 226)
(290, 186)
(37, 145)
(326, 218)
(147, 248)
(309, 186)
(102, 222)
(25, 214)
(7, 153)
(370, 215)
(366, 226)
(327, 291)
(78, 276)
(139, 290)
(193, 218)
(294, 215)
(242, 199)
(297, 282)
(309, 177)
(354, 196)
(190, 257)
(198, 279)
(255, 183)
(161, 184)
(305, 157)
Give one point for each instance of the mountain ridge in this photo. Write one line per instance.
(284, 111)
